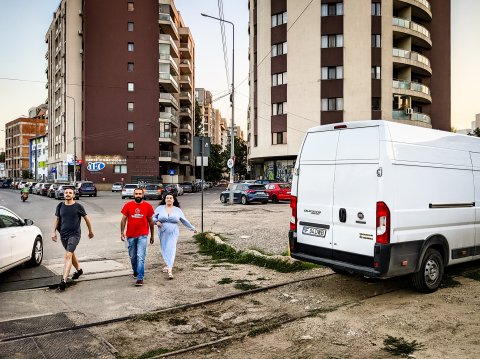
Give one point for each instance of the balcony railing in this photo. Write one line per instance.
(171, 135)
(185, 158)
(166, 37)
(407, 24)
(185, 78)
(184, 126)
(185, 62)
(166, 17)
(169, 154)
(413, 86)
(416, 116)
(169, 57)
(168, 97)
(186, 110)
(186, 94)
(167, 76)
(412, 55)
(425, 3)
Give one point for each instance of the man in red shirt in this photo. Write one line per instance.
(138, 214)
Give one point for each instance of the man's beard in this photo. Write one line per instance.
(138, 199)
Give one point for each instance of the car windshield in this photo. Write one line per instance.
(284, 185)
(117, 184)
(130, 186)
(151, 186)
(257, 187)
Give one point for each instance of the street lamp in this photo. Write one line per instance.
(232, 136)
(74, 144)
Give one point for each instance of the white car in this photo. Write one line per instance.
(128, 190)
(20, 241)
(117, 187)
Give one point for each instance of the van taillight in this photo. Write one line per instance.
(383, 223)
(293, 218)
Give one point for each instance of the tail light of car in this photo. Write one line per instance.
(250, 191)
(383, 223)
(293, 218)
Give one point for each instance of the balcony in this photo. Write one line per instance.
(185, 67)
(168, 156)
(416, 90)
(420, 8)
(420, 63)
(415, 117)
(184, 95)
(185, 127)
(185, 143)
(168, 58)
(169, 117)
(168, 98)
(185, 111)
(185, 159)
(167, 25)
(167, 39)
(168, 82)
(186, 81)
(169, 137)
(186, 50)
(420, 35)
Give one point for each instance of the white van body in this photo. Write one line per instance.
(385, 199)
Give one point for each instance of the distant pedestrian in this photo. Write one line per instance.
(166, 217)
(67, 222)
(137, 217)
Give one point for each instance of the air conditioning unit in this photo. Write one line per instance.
(409, 111)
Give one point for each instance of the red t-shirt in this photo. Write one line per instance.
(137, 218)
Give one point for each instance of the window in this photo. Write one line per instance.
(279, 19)
(119, 168)
(279, 49)
(279, 108)
(376, 103)
(130, 106)
(131, 47)
(131, 87)
(130, 146)
(376, 72)
(332, 73)
(376, 9)
(130, 126)
(130, 67)
(332, 104)
(332, 41)
(279, 138)
(332, 9)
(376, 40)
(130, 26)
(130, 6)
(9, 219)
(279, 79)
(255, 140)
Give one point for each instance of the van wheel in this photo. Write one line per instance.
(430, 275)
(274, 199)
(37, 253)
(223, 199)
(244, 200)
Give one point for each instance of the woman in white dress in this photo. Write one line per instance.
(167, 216)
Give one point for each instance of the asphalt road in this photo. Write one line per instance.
(104, 212)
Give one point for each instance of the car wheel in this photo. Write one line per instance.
(123, 197)
(37, 253)
(223, 199)
(430, 275)
(244, 200)
(95, 195)
(265, 202)
(274, 199)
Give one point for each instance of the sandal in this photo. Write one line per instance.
(170, 274)
(165, 269)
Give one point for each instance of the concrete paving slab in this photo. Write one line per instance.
(91, 267)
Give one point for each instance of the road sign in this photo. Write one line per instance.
(230, 163)
(198, 143)
(171, 172)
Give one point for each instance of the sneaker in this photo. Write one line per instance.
(62, 285)
(135, 275)
(139, 283)
(77, 274)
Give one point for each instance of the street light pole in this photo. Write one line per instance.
(74, 144)
(232, 135)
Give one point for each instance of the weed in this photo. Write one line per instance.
(149, 317)
(177, 321)
(242, 280)
(153, 353)
(261, 278)
(260, 250)
(255, 302)
(226, 253)
(475, 275)
(262, 330)
(225, 281)
(400, 347)
(449, 282)
(245, 286)
(285, 253)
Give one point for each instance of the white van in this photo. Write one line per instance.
(384, 199)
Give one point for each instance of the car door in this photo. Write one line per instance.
(6, 237)
(21, 243)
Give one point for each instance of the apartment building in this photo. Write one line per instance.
(314, 63)
(122, 101)
(17, 141)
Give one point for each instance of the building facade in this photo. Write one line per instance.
(122, 102)
(39, 157)
(17, 141)
(361, 60)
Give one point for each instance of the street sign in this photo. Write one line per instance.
(198, 143)
(230, 163)
(171, 172)
(199, 161)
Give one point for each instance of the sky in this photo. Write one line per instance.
(23, 24)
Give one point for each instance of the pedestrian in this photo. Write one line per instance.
(68, 217)
(137, 217)
(166, 217)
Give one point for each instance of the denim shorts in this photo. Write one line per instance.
(70, 243)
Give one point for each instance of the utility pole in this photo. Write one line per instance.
(74, 144)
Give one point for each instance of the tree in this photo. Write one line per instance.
(26, 174)
(475, 132)
(240, 156)
(2, 156)
(198, 120)
(216, 164)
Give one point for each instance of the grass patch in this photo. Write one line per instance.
(262, 330)
(449, 282)
(177, 321)
(149, 317)
(259, 250)
(154, 352)
(245, 286)
(400, 346)
(225, 281)
(475, 275)
(284, 253)
(227, 253)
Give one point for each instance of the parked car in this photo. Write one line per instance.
(117, 187)
(59, 192)
(128, 190)
(44, 189)
(171, 189)
(87, 188)
(30, 186)
(278, 191)
(51, 190)
(245, 193)
(179, 189)
(21, 241)
(188, 187)
(6, 183)
(153, 191)
(36, 188)
(222, 183)
(264, 181)
(21, 184)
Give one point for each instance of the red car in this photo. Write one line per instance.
(278, 191)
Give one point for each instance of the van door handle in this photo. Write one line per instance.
(342, 215)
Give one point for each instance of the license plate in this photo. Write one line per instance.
(260, 192)
(314, 231)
